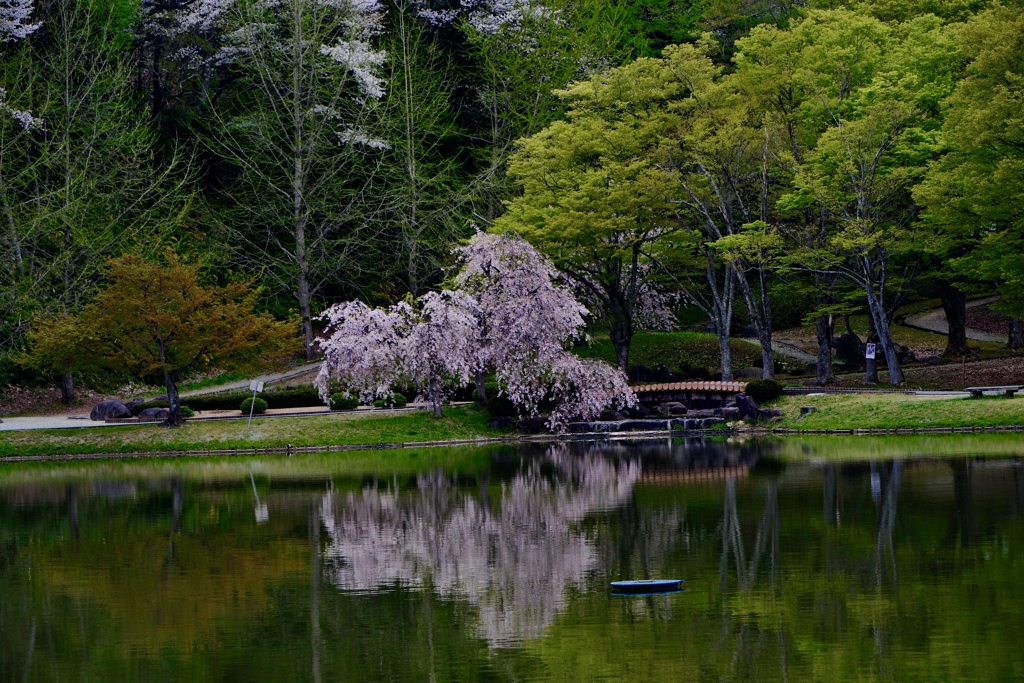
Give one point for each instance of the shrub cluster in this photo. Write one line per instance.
(396, 400)
(186, 411)
(764, 390)
(139, 407)
(341, 401)
(498, 405)
(301, 397)
(258, 405)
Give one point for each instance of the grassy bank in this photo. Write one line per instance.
(320, 430)
(674, 349)
(897, 411)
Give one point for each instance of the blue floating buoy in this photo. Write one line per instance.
(649, 586)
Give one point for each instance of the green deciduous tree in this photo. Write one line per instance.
(593, 196)
(857, 100)
(974, 193)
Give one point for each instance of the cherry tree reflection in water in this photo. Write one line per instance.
(514, 559)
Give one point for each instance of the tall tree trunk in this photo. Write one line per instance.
(67, 389)
(760, 313)
(306, 313)
(621, 334)
(481, 390)
(171, 384)
(871, 364)
(434, 394)
(1016, 340)
(764, 337)
(723, 294)
(299, 115)
(823, 327)
(884, 338)
(954, 303)
(725, 352)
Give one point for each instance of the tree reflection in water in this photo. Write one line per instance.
(514, 560)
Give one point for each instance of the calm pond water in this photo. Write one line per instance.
(804, 560)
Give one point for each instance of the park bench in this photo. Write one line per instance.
(978, 392)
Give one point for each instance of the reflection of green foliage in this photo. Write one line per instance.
(320, 466)
(223, 598)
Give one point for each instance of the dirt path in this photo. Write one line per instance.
(935, 321)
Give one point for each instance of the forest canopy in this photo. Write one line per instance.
(678, 160)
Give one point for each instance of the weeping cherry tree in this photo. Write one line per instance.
(512, 314)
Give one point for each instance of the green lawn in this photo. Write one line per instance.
(898, 411)
(674, 349)
(320, 430)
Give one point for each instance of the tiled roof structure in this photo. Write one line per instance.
(723, 387)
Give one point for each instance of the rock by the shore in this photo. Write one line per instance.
(643, 425)
(161, 413)
(502, 422)
(747, 407)
(670, 408)
(532, 425)
(640, 411)
(729, 413)
(109, 410)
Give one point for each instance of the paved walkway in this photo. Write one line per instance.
(785, 349)
(269, 378)
(81, 421)
(935, 321)
(13, 424)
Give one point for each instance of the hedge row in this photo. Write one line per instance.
(302, 397)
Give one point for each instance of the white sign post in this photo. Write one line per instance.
(869, 351)
(256, 388)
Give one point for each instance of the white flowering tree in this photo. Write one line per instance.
(294, 128)
(179, 48)
(16, 23)
(16, 19)
(512, 313)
